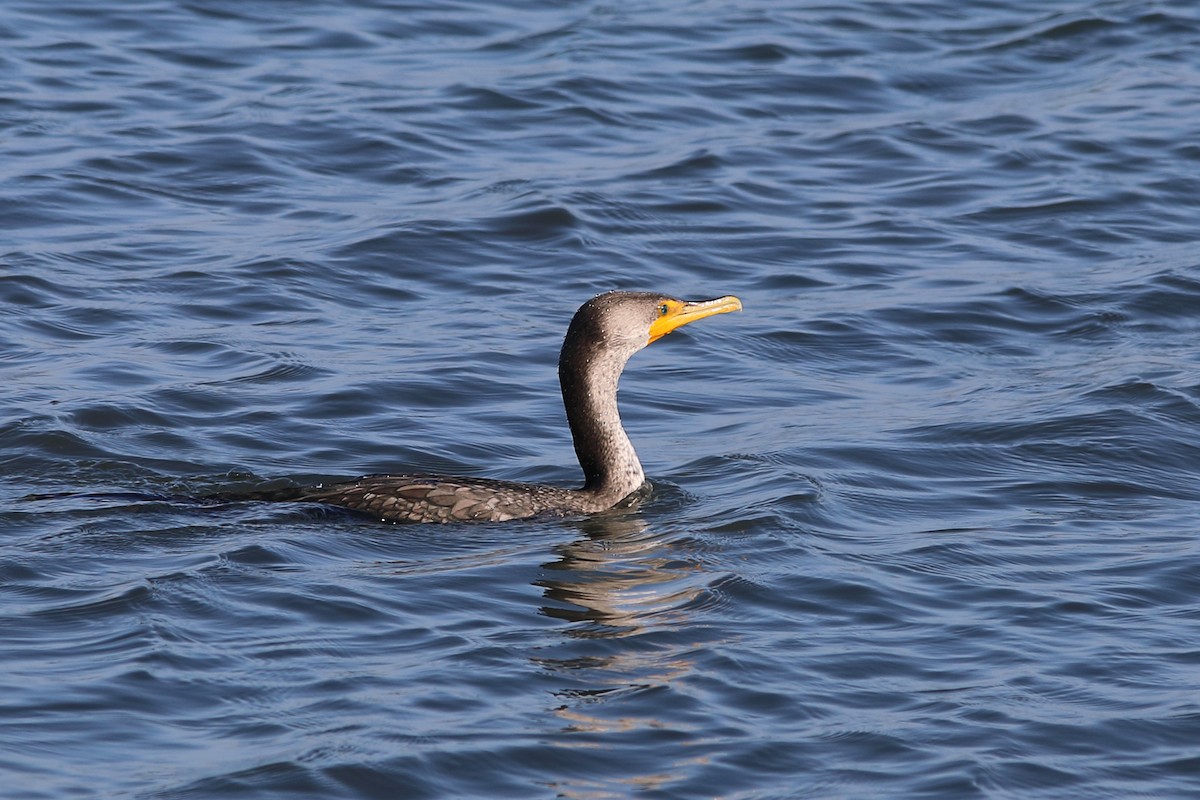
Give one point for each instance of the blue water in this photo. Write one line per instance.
(927, 513)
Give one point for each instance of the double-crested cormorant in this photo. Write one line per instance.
(604, 333)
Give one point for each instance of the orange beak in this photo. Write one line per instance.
(678, 313)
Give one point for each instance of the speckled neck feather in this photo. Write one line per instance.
(589, 369)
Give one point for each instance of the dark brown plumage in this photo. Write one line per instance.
(604, 333)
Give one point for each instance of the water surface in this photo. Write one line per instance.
(925, 519)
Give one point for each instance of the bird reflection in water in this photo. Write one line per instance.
(629, 593)
(620, 579)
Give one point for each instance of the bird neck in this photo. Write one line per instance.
(589, 379)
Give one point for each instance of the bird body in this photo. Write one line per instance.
(603, 334)
(437, 498)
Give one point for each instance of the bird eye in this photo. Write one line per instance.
(663, 309)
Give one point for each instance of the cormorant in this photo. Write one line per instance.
(604, 333)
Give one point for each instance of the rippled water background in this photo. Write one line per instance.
(926, 512)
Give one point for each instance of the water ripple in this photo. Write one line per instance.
(923, 519)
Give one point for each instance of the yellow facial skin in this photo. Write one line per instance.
(677, 313)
